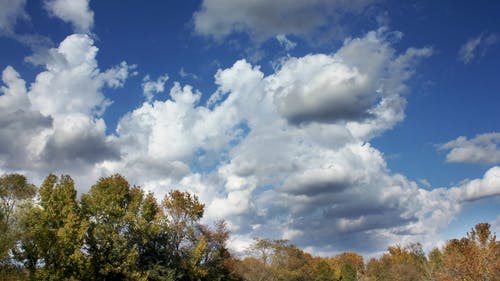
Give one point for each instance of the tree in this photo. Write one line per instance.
(53, 232)
(216, 258)
(182, 211)
(14, 192)
(475, 257)
(323, 271)
(275, 260)
(111, 206)
(400, 263)
(351, 265)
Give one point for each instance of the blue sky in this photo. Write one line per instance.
(340, 125)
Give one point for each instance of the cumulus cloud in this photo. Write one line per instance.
(20, 125)
(260, 156)
(343, 86)
(482, 149)
(57, 120)
(258, 153)
(476, 47)
(150, 88)
(263, 19)
(75, 12)
(11, 11)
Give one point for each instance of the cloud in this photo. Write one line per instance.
(20, 126)
(185, 74)
(483, 149)
(256, 153)
(425, 182)
(318, 179)
(343, 87)
(150, 88)
(262, 19)
(285, 42)
(75, 12)
(57, 121)
(476, 47)
(476, 189)
(11, 11)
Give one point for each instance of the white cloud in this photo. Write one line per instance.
(183, 73)
(75, 12)
(285, 42)
(14, 91)
(256, 154)
(10, 12)
(57, 120)
(425, 182)
(476, 189)
(483, 149)
(150, 88)
(266, 19)
(362, 80)
(476, 47)
(255, 164)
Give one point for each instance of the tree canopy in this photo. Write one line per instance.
(116, 231)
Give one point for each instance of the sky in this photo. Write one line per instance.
(339, 125)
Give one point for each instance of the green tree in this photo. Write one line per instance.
(323, 271)
(151, 236)
(111, 206)
(53, 232)
(15, 191)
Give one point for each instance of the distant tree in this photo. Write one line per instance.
(434, 264)
(275, 260)
(323, 271)
(475, 257)
(351, 265)
(400, 263)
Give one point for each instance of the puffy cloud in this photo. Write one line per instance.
(483, 149)
(260, 156)
(476, 189)
(57, 120)
(258, 153)
(10, 12)
(150, 88)
(343, 86)
(20, 126)
(266, 19)
(75, 12)
(78, 138)
(469, 51)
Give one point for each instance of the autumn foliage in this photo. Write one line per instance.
(118, 232)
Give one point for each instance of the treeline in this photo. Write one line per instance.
(118, 232)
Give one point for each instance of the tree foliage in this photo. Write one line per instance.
(14, 192)
(116, 231)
